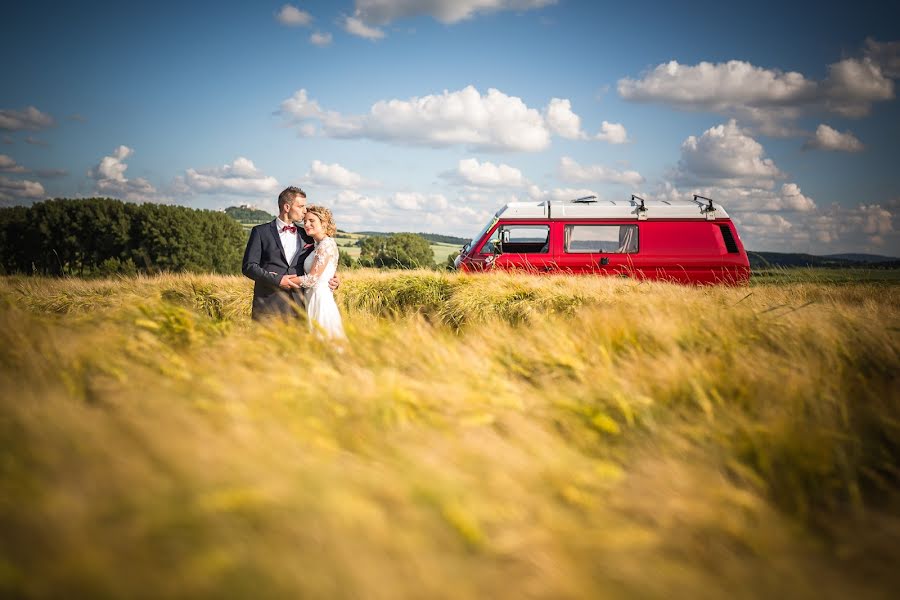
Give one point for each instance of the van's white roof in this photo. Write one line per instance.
(610, 209)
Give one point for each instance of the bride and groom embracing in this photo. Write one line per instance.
(294, 267)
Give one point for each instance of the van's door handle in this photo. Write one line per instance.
(604, 261)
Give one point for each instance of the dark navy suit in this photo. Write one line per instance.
(265, 263)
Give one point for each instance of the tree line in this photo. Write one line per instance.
(248, 214)
(104, 236)
(396, 251)
(431, 237)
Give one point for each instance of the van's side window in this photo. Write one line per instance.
(521, 239)
(608, 239)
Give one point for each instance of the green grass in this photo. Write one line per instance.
(825, 275)
(442, 251)
(481, 436)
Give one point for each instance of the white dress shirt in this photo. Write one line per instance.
(288, 239)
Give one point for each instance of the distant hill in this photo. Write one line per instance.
(864, 258)
(248, 214)
(435, 238)
(762, 260)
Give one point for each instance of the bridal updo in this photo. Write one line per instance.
(325, 217)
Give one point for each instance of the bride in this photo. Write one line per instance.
(319, 267)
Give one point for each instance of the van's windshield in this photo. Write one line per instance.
(480, 234)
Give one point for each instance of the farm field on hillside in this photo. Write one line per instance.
(347, 244)
(480, 436)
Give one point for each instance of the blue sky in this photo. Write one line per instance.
(429, 115)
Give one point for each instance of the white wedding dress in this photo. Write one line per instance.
(321, 308)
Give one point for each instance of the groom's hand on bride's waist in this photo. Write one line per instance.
(334, 283)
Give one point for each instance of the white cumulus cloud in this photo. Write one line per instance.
(614, 133)
(770, 98)
(382, 12)
(419, 201)
(320, 39)
(300, 107)
(293, 17)
(112, 168)
(787, 199)
(726, 156)
(29, 118)
(565, 194)
(853, 85)
(566, 124)
(15, 190)
(886, 55)
(487, 174)
(9, 165)
(827, 138)
(333, 175)
(717, 86)
(241, 177)
(355, 26)
(572, 171)
(562, 121)
(493, 121)
(409, 210)
(109, 178)
(869, 227)
(794, 200)
(763, 224)
(353, 202)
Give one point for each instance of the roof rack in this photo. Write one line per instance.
(635, 207)
(709, 210)
(641, 210)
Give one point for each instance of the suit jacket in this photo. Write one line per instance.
(265, 263)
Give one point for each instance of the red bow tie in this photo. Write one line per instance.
(290, 228)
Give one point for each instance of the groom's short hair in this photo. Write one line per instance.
(289, 195)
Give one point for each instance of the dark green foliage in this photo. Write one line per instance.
(346, 261)
(102, 236)
(248, 214)
(434, 238)
(451, 258)
(767, 260)
(13, 221)
(397, 251)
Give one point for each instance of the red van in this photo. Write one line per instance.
(688, 241)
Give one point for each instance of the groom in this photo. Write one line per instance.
(275, 251)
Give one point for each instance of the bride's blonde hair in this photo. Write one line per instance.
(325, 216)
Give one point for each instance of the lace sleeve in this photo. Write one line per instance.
(326, 253)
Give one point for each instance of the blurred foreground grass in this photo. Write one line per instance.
(488, 436)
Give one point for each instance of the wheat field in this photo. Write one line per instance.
(496, 436)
